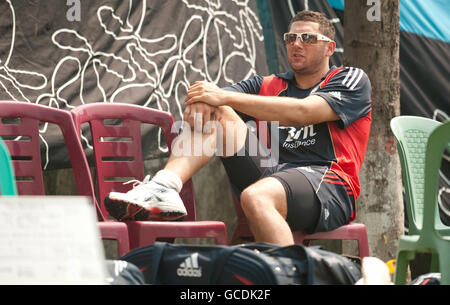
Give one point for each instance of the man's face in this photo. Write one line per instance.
(307, 57)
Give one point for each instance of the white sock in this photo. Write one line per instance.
(169, 179)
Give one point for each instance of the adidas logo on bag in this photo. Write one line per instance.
(190, 268)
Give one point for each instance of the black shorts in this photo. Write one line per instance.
(312, 204)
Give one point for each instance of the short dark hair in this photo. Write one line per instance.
(325, 26)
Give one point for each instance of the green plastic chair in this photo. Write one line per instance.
(421, 143)
(7, 180)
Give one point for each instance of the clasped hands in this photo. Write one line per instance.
(202, 102)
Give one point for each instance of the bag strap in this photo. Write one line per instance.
(260, 246)
(220, 262)
(304, 262)
(158, 250)
(309, 267)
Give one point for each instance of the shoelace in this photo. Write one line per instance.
(137, 182)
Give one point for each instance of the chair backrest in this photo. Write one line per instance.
(412, 135)
(19, 128)
(7, 181)
(116, 138)
(21, 135)
(438, 141)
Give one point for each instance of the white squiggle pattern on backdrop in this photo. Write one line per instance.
(7, 74)
(444, 189)
(243, 29)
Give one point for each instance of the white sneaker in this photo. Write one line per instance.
(147, 200)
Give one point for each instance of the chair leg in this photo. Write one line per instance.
(401, 266)
(121, 236)
(221, 240)
(363, 247)
(123, 246)
(299, 237)
(434, 266)
(445, 269)
(137, 239)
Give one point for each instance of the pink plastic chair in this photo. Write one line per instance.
(19, 128)
(351, 231)
(118, 156)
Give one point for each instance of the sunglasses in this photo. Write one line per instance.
(312, 38)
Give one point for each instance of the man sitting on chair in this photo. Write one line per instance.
(324, 118)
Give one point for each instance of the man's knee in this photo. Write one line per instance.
(248, 200)
(262, 197)
(253, 200)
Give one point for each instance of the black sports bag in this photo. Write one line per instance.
(255, 263)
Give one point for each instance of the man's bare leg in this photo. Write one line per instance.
(186, 161)
(158, 198)
(265, 205)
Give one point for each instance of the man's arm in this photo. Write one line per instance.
(286, 110)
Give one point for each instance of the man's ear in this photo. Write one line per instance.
(330, 49)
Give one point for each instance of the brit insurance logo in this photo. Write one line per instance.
(298, 136)
(190, 267)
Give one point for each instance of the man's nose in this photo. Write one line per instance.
(298, 42)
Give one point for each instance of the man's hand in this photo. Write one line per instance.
(198, 114)
(207, 93)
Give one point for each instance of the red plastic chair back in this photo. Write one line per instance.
(118, 157)
(21, 135)
(19, 128)
(116, 138)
